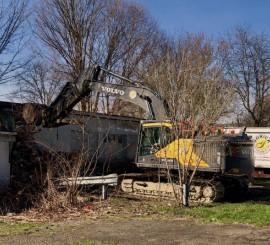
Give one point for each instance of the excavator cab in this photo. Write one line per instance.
(154, 137)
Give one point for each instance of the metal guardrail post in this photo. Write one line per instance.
(104, 192)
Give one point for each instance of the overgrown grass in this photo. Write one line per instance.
(227, 213)
(7, 228)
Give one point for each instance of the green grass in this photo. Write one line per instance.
(262, 182)
(227, 213)
(253, 213)
(7, 228)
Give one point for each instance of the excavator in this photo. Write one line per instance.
(218, 165)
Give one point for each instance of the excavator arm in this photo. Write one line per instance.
(88, 82)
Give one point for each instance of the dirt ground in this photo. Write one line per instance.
(147, 231)
(123, 226)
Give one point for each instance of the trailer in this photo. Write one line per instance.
(261, 138)
(261, 147)
(108, 140)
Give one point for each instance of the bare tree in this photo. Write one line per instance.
(39, 83)
(129, 35)
(188, 75)
(69, 30)
(245, 119)
(247, 56)
(13, 14)
(80, 33)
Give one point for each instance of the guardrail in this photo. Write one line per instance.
(111, 179)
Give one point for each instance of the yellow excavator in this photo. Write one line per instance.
(218, 164)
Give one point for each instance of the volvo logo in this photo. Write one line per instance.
(132, 94)
(112, 90)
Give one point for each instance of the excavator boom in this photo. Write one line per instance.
(88, 82)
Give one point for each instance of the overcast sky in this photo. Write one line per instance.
(213, 17)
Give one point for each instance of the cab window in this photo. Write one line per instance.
(153, 139)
